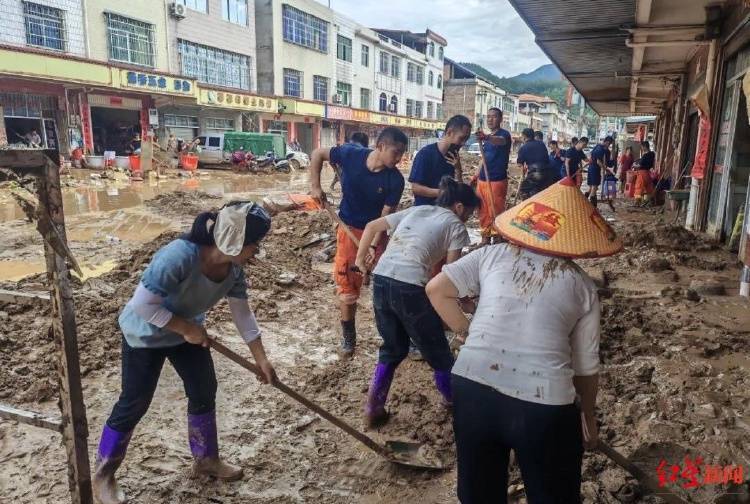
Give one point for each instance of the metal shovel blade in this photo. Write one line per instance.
(415, 455)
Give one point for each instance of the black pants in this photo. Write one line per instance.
(547, 441)
(402, 312)
(141, 368)
(539, 177)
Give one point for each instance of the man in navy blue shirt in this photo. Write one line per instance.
(371, 187)
(573, 159)
(493, 192)
(437, 160)
(534, 158)
(597, 166)
(556, 158)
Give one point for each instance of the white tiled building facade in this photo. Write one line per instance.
(52, 25)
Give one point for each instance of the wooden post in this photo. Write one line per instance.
(74, 427)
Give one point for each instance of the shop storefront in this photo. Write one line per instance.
(298, 121)
(731, 167)
(32, 114)
(116, 123)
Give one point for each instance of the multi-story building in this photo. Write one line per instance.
(468, 94)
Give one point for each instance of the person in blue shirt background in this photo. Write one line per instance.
(437, 160)
(494, 191)
(371, 187)
(556, 158)
(534, 158)
(597, 166)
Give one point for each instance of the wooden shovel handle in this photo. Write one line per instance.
(338, 221)
(237, 359)
(639, 474)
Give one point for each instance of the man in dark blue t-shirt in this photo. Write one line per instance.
(556, 158)
(573, 159)
(534, 158)
(435, 161)
(371, 187)
(493, 192)
(597, 166)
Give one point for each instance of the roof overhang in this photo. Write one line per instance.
(632, 60)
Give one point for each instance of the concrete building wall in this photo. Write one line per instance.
(275, 54)
(151, 12)
(210, 29)
(13, 25)
(344, 69)
(460, 98)
(364, 76)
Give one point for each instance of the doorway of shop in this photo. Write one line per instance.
(115, 130)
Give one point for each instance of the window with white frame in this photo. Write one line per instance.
(394, 105)
(430, 106)
(130, 41)
(418, 108)
(45, 26)
(385, 62)
(420, 75)
(409, 107)
(292, 82)
(344, 48)
(180, 121)
(305, 29)
(234, 11)
(214, 66)
(365, 101)
(431, 79)
(219, 123)
(365, 56)
(383, 102)
(432, 49)
(344, 91)
(411, 72)
(440, 82)
(441, 53)
(395, 67)
(320, 88)
(196, 5)
(439, 111)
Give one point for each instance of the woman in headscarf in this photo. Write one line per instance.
(531, 348)
(164, 320)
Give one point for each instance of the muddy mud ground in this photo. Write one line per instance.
(674, 379)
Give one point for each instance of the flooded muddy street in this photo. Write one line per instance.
(675, 378)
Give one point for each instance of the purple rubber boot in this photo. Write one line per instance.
(443, 384)
(204, 445)
(112, 448)
(375, 413)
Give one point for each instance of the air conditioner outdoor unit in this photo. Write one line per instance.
(336, 98)
(177, 10)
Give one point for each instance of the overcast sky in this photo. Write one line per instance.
(488, 32)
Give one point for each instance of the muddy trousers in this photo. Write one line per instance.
(547, 441)
(141, 368)
(403, 312)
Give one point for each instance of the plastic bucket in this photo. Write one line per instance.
(135, 163)
(189, 162)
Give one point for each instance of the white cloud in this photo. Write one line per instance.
(488, 32)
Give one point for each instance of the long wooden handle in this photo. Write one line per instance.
(338, 221)
(639, 474)
(489, 184)
(237, 359)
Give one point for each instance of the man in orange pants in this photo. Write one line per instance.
(371, 187)
(494, 191)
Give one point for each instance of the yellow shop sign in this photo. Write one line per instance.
(237, 101)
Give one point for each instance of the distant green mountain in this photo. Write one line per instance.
(544, 81)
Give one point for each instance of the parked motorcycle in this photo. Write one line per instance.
(270, 160)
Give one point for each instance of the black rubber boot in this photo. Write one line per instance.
(594, 201)
(349, 339)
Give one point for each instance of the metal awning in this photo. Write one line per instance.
(625, 57)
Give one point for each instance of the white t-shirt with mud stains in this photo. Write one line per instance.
(537, 323)
(420, 237)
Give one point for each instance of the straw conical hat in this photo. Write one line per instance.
(559, 221)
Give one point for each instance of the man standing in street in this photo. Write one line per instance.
(557, 158)
(437, 160)
(573, 159)
(534, 158)
(597, 167)
(371, 187)
(494, 191)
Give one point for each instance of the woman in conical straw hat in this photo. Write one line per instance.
(530, 349)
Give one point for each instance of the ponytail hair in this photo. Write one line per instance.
(202, 231)
(452, 192)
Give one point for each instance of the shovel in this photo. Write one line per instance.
(398, 452)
